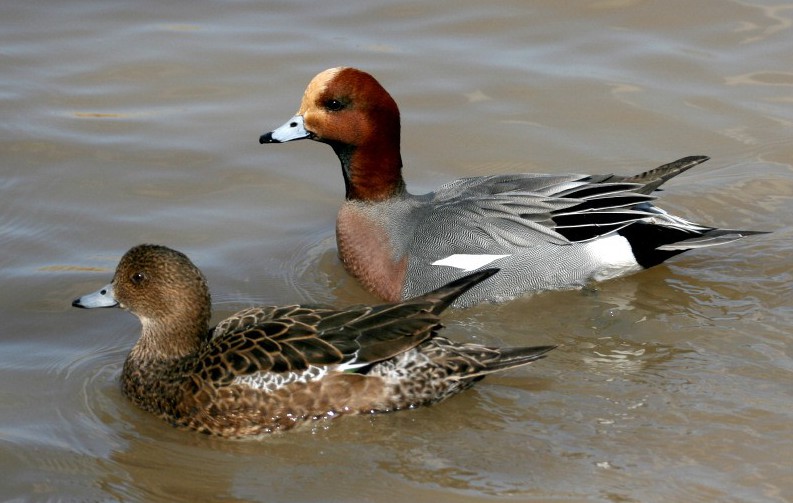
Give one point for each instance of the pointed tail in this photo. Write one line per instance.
(516, 357)
(712, 237)
(656, 177)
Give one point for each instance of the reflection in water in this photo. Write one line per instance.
(777, 18)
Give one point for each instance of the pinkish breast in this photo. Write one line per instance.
(366, 252)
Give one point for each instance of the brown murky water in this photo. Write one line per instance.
(128, 122)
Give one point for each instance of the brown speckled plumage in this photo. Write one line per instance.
(271, 368)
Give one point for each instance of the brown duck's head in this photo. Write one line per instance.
(349, 110)
(166, 291)
(343, 106)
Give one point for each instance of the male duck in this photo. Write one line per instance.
(271, 368)
(543, 231)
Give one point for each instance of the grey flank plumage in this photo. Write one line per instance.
(549, 227)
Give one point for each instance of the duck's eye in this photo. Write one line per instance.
(334, 105)
(138, 278)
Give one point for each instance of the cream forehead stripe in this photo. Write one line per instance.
(316, 86)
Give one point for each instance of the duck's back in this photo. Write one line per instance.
(512, 222)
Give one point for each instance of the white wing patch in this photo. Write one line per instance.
(468, 262)
(271, 381)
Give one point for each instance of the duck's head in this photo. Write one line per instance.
(350, 111)
(165, 290)
(341, 105)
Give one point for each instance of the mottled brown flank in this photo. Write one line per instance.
(198, 392)
(188, 402)
(365, 250)
(257, 371)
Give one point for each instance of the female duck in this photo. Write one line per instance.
(543, 231)
(271, 368)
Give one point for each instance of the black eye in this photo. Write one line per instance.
(334, 105)
(138, 278)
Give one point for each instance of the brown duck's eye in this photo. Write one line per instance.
(138, 278)
(334, 105)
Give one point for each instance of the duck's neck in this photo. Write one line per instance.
(372, 172)
(159, 365)
(164, 340)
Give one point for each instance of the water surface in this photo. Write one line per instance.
(129, 122)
